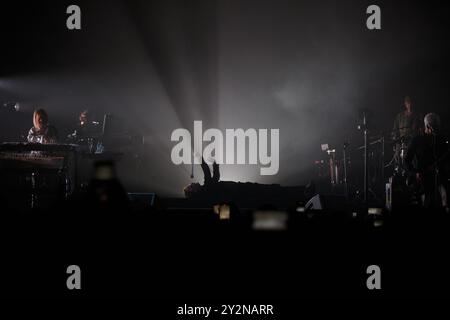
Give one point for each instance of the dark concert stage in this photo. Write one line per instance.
(209, 153)
(190, 254)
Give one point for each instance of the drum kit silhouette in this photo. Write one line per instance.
(380, 177)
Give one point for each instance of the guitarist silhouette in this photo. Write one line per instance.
(427, 159)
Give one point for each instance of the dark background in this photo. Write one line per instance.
(304, 67)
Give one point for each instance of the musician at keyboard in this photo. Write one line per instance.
(42, 132)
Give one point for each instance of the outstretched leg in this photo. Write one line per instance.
(206, 173)
(216, 173)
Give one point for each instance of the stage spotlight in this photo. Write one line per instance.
(11, 106)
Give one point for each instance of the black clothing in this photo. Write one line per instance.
(428, 156)
(427, 150)
(207, 173)
(86, 130)
(247, 194)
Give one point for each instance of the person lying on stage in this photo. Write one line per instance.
(243, 193)
(208, 182)
(42, 132)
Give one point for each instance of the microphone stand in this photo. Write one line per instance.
(365, 130)
(382, 159)
(366, 168)
(345, 170)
